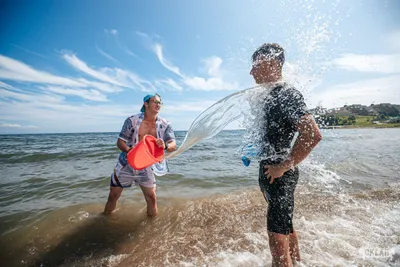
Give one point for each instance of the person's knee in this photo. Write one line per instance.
(279, 244)
(150, 196)
(114, 195)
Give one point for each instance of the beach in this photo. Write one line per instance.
(211, 211)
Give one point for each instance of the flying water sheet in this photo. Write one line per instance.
(242, 104)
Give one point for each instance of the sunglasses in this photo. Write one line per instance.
(156, 102)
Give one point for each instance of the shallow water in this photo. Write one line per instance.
(211, 212)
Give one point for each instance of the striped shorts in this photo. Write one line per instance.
(124, 176)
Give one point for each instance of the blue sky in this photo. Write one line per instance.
(84, 66)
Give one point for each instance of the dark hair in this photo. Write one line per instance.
(272, 50)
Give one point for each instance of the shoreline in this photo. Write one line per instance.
(375, 126)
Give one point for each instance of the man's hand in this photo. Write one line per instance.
(160, 143)
(309, 136)
(275, 171)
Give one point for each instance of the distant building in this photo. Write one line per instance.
(356, 106)
(343, 111)
(372, 111)
(358, 109)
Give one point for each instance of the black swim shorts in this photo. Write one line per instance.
(280, 198)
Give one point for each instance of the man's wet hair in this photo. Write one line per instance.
(270, 50)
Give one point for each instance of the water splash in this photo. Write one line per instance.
(309, 31)
(218, 116)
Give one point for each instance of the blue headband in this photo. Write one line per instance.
(146, 99)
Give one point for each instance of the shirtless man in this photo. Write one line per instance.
(134, 129)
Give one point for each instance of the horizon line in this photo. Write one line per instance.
(96, 132)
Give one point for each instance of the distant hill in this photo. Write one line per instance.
(379, 115)
(383, 109)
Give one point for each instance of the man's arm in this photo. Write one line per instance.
(121, 144)
(309, 137)
(169, 137)
(126, 132)
(171, 145)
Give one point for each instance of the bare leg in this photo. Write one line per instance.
(151, 200)
(115, 193)
(279, 246)
(294, 247)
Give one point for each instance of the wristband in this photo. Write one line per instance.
(166, 146)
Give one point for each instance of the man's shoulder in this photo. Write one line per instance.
(290, 92)
(132, 120)
(163, 120)
(134, 116)
(290, 88)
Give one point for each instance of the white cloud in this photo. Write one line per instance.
(11, 69)
(213, 69)
(126, 50)
(47, 113)
(212, 66)
(369, 63)
(104, 54)
(158, 50)
(30, 52)
(4, 85)
(366, 92)
(92, 95)
(168, 83)
(26, 96)
(11, 125)
(141, 34)
(104, 87)
(120, 45)
(209, 84)
(75, 62)
(73, 117)
(131, 78)
(112, 31)
(116, 76)
(216, 80)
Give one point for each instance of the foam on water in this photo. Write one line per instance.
(346, 236)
